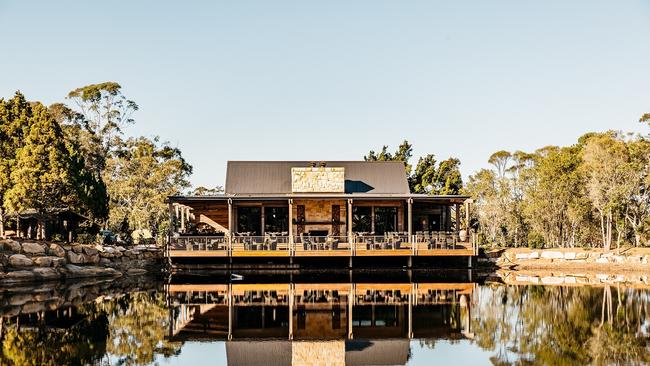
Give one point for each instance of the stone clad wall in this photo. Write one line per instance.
(320, 211)
(318, 180)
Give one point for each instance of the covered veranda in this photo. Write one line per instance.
(315, 225)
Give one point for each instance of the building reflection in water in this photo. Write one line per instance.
(337, 323)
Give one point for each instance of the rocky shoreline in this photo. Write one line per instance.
(34, 261)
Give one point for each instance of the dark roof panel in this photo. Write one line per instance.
(274, 177)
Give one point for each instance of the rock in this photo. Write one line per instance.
(521, 256)
(57, 262)
(90, 251)
(110, 250)
(533, 255)
(33, 307)
(552, 255)
(105, 261)
(570, 256)
(618, 258)
(47, 261)
(582, 255)
(19, 299)
(106, 255)
(10, 245)
(19, 260)
(72, 271)
(46, 273)
(33, 248)
(77, 248)
(92, 259)
(136, 271)
(75, 258)
(129, 253)
(57, 250)
(18, 276)
(120, 248)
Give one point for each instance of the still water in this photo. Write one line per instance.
(361, 318)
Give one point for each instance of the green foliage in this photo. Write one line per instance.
(428, 177)
(139, 177)
(592, 193)
(404, 153)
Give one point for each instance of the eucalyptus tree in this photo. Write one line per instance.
(140, 176)
(609, 171)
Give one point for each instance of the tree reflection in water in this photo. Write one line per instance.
(519, 325)
(124, 330)
(563, 325)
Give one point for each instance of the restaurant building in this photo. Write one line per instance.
(298, 209)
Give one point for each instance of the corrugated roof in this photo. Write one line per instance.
(274, 177)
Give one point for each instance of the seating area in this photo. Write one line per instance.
(388, 241)
(437, 239)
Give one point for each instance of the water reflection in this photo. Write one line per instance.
(337, 318)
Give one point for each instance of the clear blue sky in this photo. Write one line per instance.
(316, 80)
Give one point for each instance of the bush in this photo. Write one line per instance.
(535, 240)
(85, 238)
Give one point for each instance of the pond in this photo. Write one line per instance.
(360, 318)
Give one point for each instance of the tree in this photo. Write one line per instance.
(609, 170)
(645, 118)
(15, 114)
(139, 177)
(444, 178)
(105, 111)
(500, 161)
(404, 153)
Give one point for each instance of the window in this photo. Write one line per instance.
(276, 219)
(249, 220)
(361, 219)
(385, 220)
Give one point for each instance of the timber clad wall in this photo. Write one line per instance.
(211, 214)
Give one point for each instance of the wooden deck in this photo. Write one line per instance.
(346, 250)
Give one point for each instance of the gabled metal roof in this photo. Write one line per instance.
(274, 177)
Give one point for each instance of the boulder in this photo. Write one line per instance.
(56, 250)
(75, 258)
(77, 248)
(19, 276)
(90, 251)
(106, 255)
(11, 245)
(46, 273)
(551, 254)
(105, 261)
(46, 261)
(570, 256)
(57, 262)
(33, 248)
(582, 255)
(19, 260)
(33, 307)
(19, 299)
(136, 271)
(120, 248)
(91, 259)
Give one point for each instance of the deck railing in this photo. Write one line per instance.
(320, 243)
(443, 241)
(382, 242)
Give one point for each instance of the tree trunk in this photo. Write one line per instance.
(2, 223)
